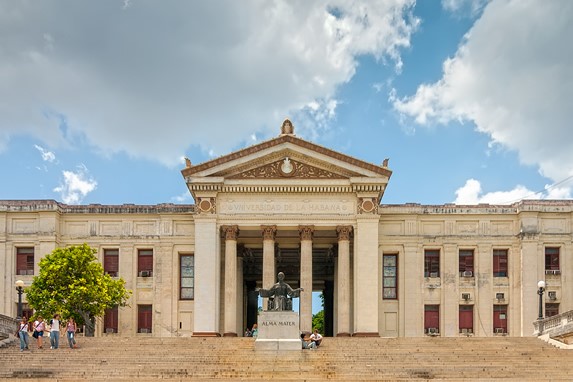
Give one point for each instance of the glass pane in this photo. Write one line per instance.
(187, 293)
(389, 261)
(186, 261)
(187, 272)
(389, 293)
(187, 282)
(389, 271)
(389, 281)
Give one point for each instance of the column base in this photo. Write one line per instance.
(206, 334)
(366, 334)
(230, 334)
(343, 334)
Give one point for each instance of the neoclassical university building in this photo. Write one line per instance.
(289, 205)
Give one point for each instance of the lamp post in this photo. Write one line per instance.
(20, 290)
(540, 290)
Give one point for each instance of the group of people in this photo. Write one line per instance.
(252, 332)
(311, 342)
(39, 327)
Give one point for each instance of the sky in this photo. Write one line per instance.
(101, 101)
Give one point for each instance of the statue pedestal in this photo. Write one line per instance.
(278, 331)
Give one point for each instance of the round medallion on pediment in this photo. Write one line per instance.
(287, 168)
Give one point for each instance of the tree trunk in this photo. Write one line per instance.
(89, 323)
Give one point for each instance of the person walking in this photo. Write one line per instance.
(39, 327)
(55, 332)
(23, 334)
(71, 332)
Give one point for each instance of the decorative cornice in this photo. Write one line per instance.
(286, 189)
(231, 232)
(269, 232)
(306, 232)
(344, 232)
(52, 205)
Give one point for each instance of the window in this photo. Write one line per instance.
(466, 319)
(500, 319)
(25, 261)
(552, 260)
(110, 320)
(432, 263)
(390, 277)
(144, 318)
(500, 263)
(431, 319)
(145, 262)
(187, 277)
(111, 262)
(551, 309)
(466, 262)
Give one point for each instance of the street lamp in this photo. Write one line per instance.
(20, 290)
(541, 286)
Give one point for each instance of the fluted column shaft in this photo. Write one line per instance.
(306, 277)
(230, 307)
(343, 287)
(269, 276)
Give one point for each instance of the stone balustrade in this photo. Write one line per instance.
(8, 326)
(555, 326)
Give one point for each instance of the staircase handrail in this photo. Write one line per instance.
(556, 325)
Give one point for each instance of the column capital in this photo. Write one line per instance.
(344, 232)
(269, 232)
(306, 232)
(230, 231)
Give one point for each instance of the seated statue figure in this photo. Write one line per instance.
(280, 294)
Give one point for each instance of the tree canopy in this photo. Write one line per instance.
(72, 282)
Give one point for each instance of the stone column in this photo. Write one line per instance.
(306, 277)
(230, 307)
(269, 272)
(343, 300)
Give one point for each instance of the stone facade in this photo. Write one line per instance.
(290, 205)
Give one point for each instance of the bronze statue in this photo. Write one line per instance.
(280, 295)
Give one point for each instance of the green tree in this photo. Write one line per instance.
(72, 283)
(318, 322)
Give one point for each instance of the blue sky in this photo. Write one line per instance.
(470, 99)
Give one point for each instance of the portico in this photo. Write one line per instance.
(287, 205)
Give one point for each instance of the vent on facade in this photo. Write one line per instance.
(433, 331)
(500, 296)
(499, 330)
(552, 295)
(109, 330)
(467, 274)
(552, 272)
(145, 274)
(466, 296)
(434, 274)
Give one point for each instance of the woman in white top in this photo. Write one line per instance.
(23, 334)
(55, 332)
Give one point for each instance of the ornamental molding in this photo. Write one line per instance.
(367, 206)
(344, 232)
(269, 232)
(306, 232)
(231, 232)
(287, 168)
(207, 206)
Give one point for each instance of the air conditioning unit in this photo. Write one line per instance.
(433, 331)
(466, 296)
(145, 274)
(144, 330)
(464, 331)
(30, 272)
(112, 274)
(500, 296)
(467, 274)
(499, 330)
(552, 295)
(109, 330)
(434, 274)
(552, 272)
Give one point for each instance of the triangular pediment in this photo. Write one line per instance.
(269, 159)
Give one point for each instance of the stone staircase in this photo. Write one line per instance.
(340, 359)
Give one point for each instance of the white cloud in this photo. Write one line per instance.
(471, 193)
(469, 7)
(75, 185)
(47, 156)
(153, 80)
(512, 77)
